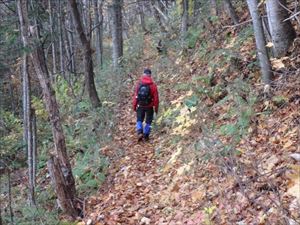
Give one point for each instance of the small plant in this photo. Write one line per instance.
(209, 213)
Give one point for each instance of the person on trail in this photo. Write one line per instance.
(145, 102)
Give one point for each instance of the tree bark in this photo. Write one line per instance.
(34, 147)
(116, 32)
(282, 32)
(231, 11)
(38, 58)
(260, 42)
(60, 186)
(11, 213)
(70, 35)
(53, 47)
(27, 119)
(61, 48)
(157, 17)
(98, 22)
(140, 9)
(88, 61)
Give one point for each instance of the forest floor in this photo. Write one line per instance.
(164, 182)
(136, 188)
(130, 193)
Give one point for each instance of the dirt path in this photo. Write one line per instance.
(128, 196)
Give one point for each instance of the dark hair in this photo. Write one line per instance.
(147, 71)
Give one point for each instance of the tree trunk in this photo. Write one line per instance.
(11, 213)
(59, 183)
(157, 17)
(282, 32)
(61, 48)
(30, 153)
(117, 32)
(40, 67)
(231, 11)
(140, 9)
(98, 22)
(260, 42)
(0, 214)
(53, 47)
(34, 147)
(27, 115)
(70, 36)
(87, 58)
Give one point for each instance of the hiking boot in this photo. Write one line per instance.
(146, 137)
(140, 136)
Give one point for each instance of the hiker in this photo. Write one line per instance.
(145, 102)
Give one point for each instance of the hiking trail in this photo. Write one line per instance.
(131, 190)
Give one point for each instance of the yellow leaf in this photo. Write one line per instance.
(294, 188)
(288, 144)
(277, 63)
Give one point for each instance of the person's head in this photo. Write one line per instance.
(147, 72)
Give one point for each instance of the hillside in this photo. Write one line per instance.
(221, 153)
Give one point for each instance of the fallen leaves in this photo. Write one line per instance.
(278, 63)
(294, 186)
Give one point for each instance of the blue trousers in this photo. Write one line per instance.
(142, 114)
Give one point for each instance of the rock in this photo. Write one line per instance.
(89, 222)
(145, 221)
(295, 156)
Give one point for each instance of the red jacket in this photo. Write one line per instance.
(154, 93)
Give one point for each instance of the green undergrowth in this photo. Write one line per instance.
(214, 108)
(86, 130)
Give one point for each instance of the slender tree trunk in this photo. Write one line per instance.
(27, 120)
(30, 153)
(88, 61)
(117, 32)
(67, 45)
(84, 17)
(25, 97)
(260, 42)
(70, 35)
(282, 32)
(61, 47)
(1, 223)
(157, 17)
(34, 147)
(11, 213)
(53, 47)
(98, 22)
(140, 9)
(231, 11)
(40, 67)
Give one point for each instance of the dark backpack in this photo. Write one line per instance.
(144, 95)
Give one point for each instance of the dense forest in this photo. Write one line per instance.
(225, 140)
